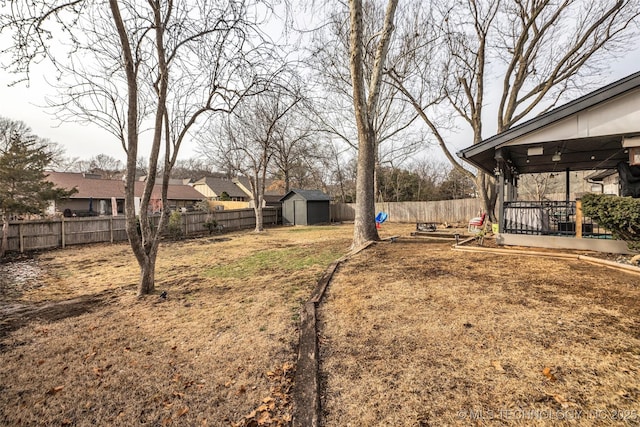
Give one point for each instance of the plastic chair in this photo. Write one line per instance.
(477, 224)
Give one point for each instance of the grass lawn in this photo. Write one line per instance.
(411, 334)
(415, 334)
(221, 346)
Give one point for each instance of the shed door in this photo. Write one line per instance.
(288, 213)
(300, 212)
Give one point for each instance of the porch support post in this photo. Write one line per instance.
(567, 184)
(500, 172)
(578, 219)
(501, 202)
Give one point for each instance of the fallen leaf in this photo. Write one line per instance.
(561, 400)
(55, 390)
(241, 390)
(287, 367)
(264, 418)
(547, 373)
(496, 364)
(183, 411)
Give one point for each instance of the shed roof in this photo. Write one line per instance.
(308, 195)
(587, 131)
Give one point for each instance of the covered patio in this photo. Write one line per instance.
(597, 132)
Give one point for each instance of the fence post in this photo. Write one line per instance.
(21, 237)
(186, 223)
(62, 233)
(111, 228)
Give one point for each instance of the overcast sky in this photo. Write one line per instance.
(26, 103)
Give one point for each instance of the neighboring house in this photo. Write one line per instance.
(229, 192)
(220, 189)
(273, 191)
(97, 196)
(306, 207)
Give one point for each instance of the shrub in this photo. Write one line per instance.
(175, 225)
(621, 215)
(211, 225)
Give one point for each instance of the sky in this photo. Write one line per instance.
(27, 103)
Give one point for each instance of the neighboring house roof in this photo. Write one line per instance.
(271, 187)
(308, 195)
(589, 130)
(91, 187)
(221, 185)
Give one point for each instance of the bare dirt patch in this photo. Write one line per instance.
(80, 349)
(415, 334)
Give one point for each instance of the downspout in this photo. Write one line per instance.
(600, 183)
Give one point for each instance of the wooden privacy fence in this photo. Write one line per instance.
(452, 211)
(60, 232)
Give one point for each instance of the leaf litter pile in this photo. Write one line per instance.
(415, 334)
(78, 348)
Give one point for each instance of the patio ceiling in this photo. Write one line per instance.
(587, 132)
(598, 153)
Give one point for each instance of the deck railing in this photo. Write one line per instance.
(551, 218)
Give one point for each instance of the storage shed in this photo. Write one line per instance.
(306, 207)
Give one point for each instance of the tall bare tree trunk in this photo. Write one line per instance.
(364, 229)
(146, 285)
(259, 217)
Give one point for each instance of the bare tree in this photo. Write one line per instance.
(365, 100)
(107, 166)
(295, 147)
(343, 172)
(540, 51)
(194, 168)
(394, 121)
(247, 140)
(173, 63)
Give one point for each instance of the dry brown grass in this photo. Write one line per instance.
(415, 334)
(411, 334)
(219, 347)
